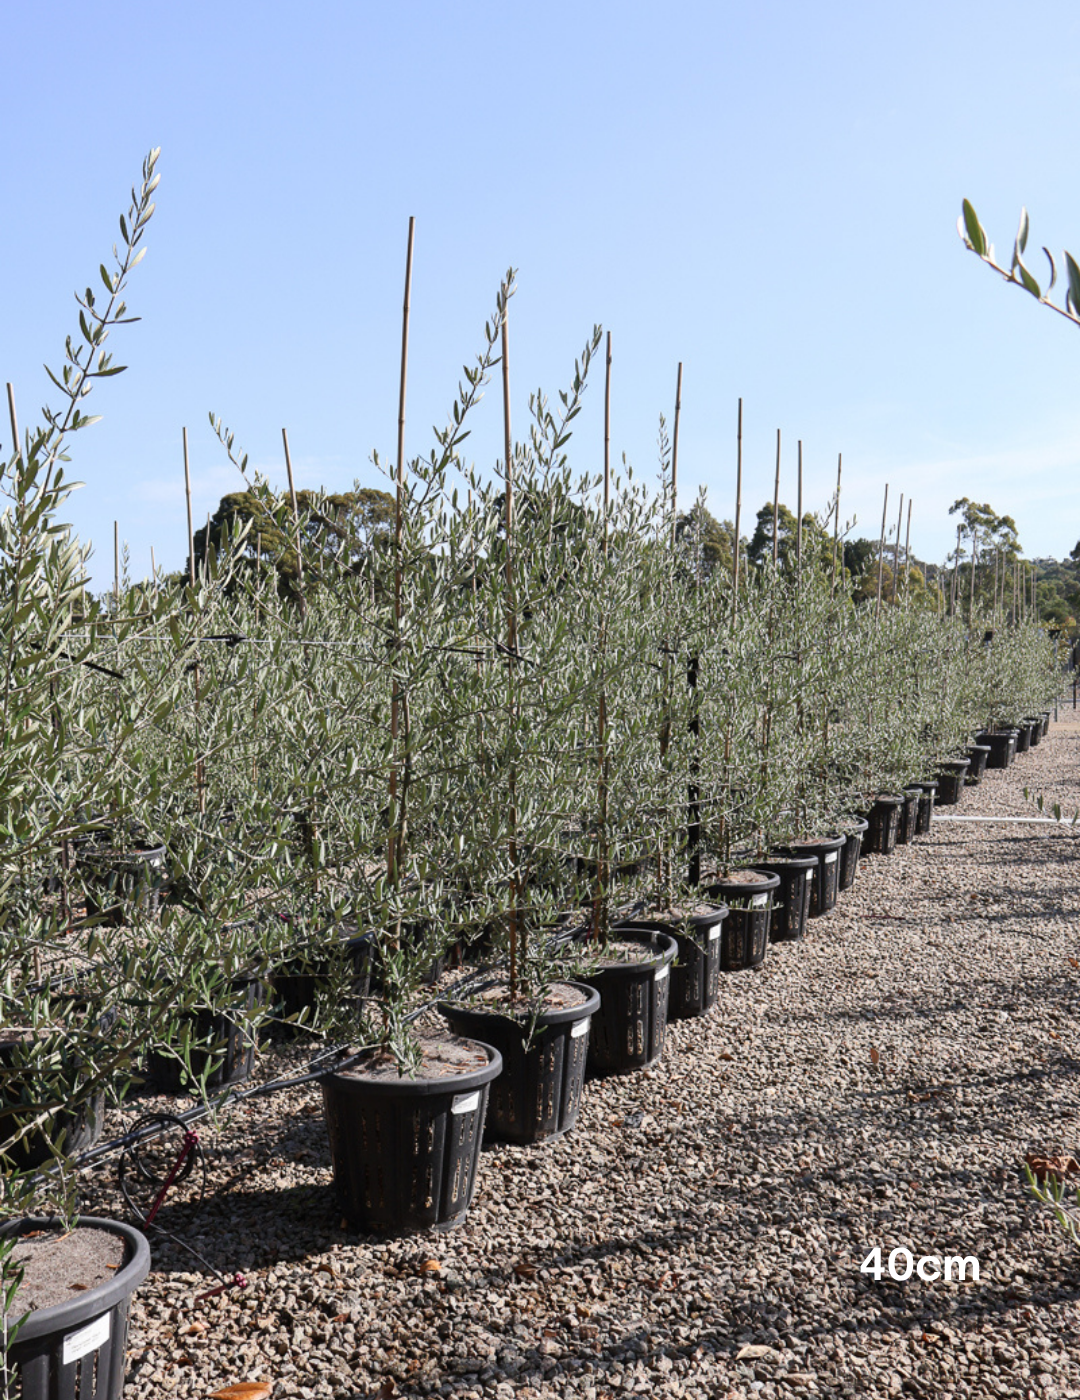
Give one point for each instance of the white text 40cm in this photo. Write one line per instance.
(931, 1268)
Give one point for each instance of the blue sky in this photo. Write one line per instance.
(767, 193)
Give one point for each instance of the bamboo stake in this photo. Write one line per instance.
(511, 647)
(881, 552)
(896, 551)
(600, 897)
(776, 506)
(675, 454)
(974, 555)
(738, 514)
(116, 565)
(798, 528)
(392, 844)
(907, 553)
(836, 521)
(296, 520)
(200, 784)
(954, 590)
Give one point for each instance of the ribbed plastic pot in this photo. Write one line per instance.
(1045, 723)
(884, 822)
(75, 1350)
(1002, 746)
(405, 1152)
(1034, 726)
(122, 882)
(925, 819)
(978, 754)
(628, 1028)
(1023, 738)
(296, 986)
(850, 852)
(75, 1126)
(745, 937)
(825, 881)
(791, 902)
(230, 1048)
(537, 1097)
(909, 816)
(695, 974)
(951, 775)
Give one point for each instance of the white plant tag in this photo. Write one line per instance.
(831, 857)
(465, 1103)
(714, 932)
(87, 1339)
(661, 972)
(580, 1028)
(759, 901)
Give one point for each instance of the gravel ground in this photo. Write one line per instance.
(700, 1233)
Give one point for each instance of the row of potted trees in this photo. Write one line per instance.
(537, 719)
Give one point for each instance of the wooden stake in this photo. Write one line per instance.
(116, 565)
(798, 528)
(393, 836)
(675, 454)
(836, 521)
(600, 895)
(907, 552)
(296, 519)
(511, 647)
(16, 447)
(190, 531)
(954, 592)
(153, 565)
(200, 785)
(881, 552)
(896, 551)
(738, 515)
(974, 554)
(776, 506)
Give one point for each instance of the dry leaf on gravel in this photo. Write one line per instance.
(753, 1353)
(1058, 1168)
(430, 1266)
(245, 1390)
(875, 1055)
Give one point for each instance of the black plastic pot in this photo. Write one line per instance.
(791, 902)
(745, 937)
(695, 974)
(75, 1350)
(537, 1096)
(1002, 744)
(951, 775)
(1023, 738)
(1034, 727)
(297, 985)
(1045, 723)
(120, 883)
(825, 879)
(628, 1029)
(883, 823)
(978, 754)
(909, 816)
(925, 818)
(224, 1043)
(405, 1152)
(850, 852)
(76, 1122)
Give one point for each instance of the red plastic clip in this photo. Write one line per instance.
(191, 1140)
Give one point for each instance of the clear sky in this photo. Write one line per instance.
(767, 192)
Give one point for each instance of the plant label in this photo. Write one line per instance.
(831, 857)
(87, 1339)
(759, 901)
(466, 1103)
(580, 1028)
(661, 972)
(714, 932)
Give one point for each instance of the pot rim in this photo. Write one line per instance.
(557, 1016)
(355, 1085)
(40, 1322)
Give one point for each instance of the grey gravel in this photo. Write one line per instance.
(700, 1233)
